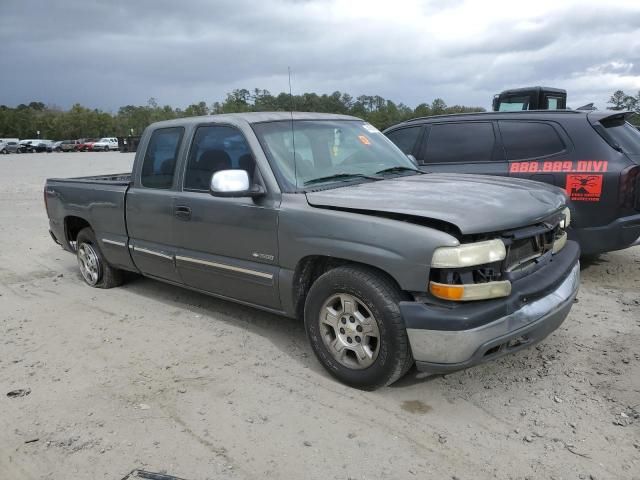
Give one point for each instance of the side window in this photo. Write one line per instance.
(216, 148)
(405, 138)
(529, 139)
(460, 142)
(160, 159)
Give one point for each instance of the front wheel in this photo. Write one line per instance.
(353, 322)
(95, 270)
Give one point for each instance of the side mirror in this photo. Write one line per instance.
(233, 183)
(413, 159)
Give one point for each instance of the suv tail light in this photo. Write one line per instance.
(629, 191)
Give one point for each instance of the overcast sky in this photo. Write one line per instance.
(105, 54)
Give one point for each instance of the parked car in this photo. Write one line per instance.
(25, 146)
(105, 144)
(56, 146)
(593, 155)
(86, 145)
(8, 147)
(42, 146)
(386, 264)
(68, 145)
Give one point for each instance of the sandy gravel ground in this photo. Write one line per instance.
(156, 377)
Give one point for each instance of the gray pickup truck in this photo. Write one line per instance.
(321, 217)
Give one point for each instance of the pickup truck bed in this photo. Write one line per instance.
(99, 200)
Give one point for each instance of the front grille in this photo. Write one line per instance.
(523, 252)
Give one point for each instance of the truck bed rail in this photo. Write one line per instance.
(112, 179)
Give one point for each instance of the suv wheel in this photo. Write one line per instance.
(353, 322)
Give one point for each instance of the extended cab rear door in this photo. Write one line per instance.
(150, 204)
(462, 147)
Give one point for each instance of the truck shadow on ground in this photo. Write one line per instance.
(286, 334)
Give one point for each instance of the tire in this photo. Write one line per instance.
(385, 354)
(94, 269)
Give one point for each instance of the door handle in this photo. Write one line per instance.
(183, 212)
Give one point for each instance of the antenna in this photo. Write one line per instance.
(293, 132)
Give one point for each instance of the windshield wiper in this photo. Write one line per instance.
(339, 176)
(397, 169)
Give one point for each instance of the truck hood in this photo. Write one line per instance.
(473, 203)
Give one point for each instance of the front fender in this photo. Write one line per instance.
(401, 249)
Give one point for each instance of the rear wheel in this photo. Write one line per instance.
(95, 270)
(353, 322)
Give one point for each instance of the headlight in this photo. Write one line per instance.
(469, 254)
(566, 221)
(476, 291)
(559, 242)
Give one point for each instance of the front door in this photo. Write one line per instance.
(150, 206)
(225, 246)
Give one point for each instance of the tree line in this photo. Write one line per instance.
(25, 120)
(621, 101)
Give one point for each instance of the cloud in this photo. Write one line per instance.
(108, 54)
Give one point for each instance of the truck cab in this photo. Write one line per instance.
(530, 98)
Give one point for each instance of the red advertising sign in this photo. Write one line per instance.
(584, 188)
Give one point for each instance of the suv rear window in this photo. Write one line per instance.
(625, 135)
(529, 139)
(460, 142)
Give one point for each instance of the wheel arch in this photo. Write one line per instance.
(310, 268)
(72, 226)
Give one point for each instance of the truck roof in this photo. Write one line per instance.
(511, 91)
(254, 117)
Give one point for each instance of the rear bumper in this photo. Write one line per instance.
(621, 233)
(445, 340)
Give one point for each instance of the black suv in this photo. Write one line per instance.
(594, 156)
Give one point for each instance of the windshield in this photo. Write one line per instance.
(512, 104)
(329, 152)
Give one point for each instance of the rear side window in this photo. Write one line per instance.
(460, 142)
(529, 139)
(625, 135)
(159, 165)
(405, 138)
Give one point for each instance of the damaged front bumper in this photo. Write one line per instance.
(448, 339)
